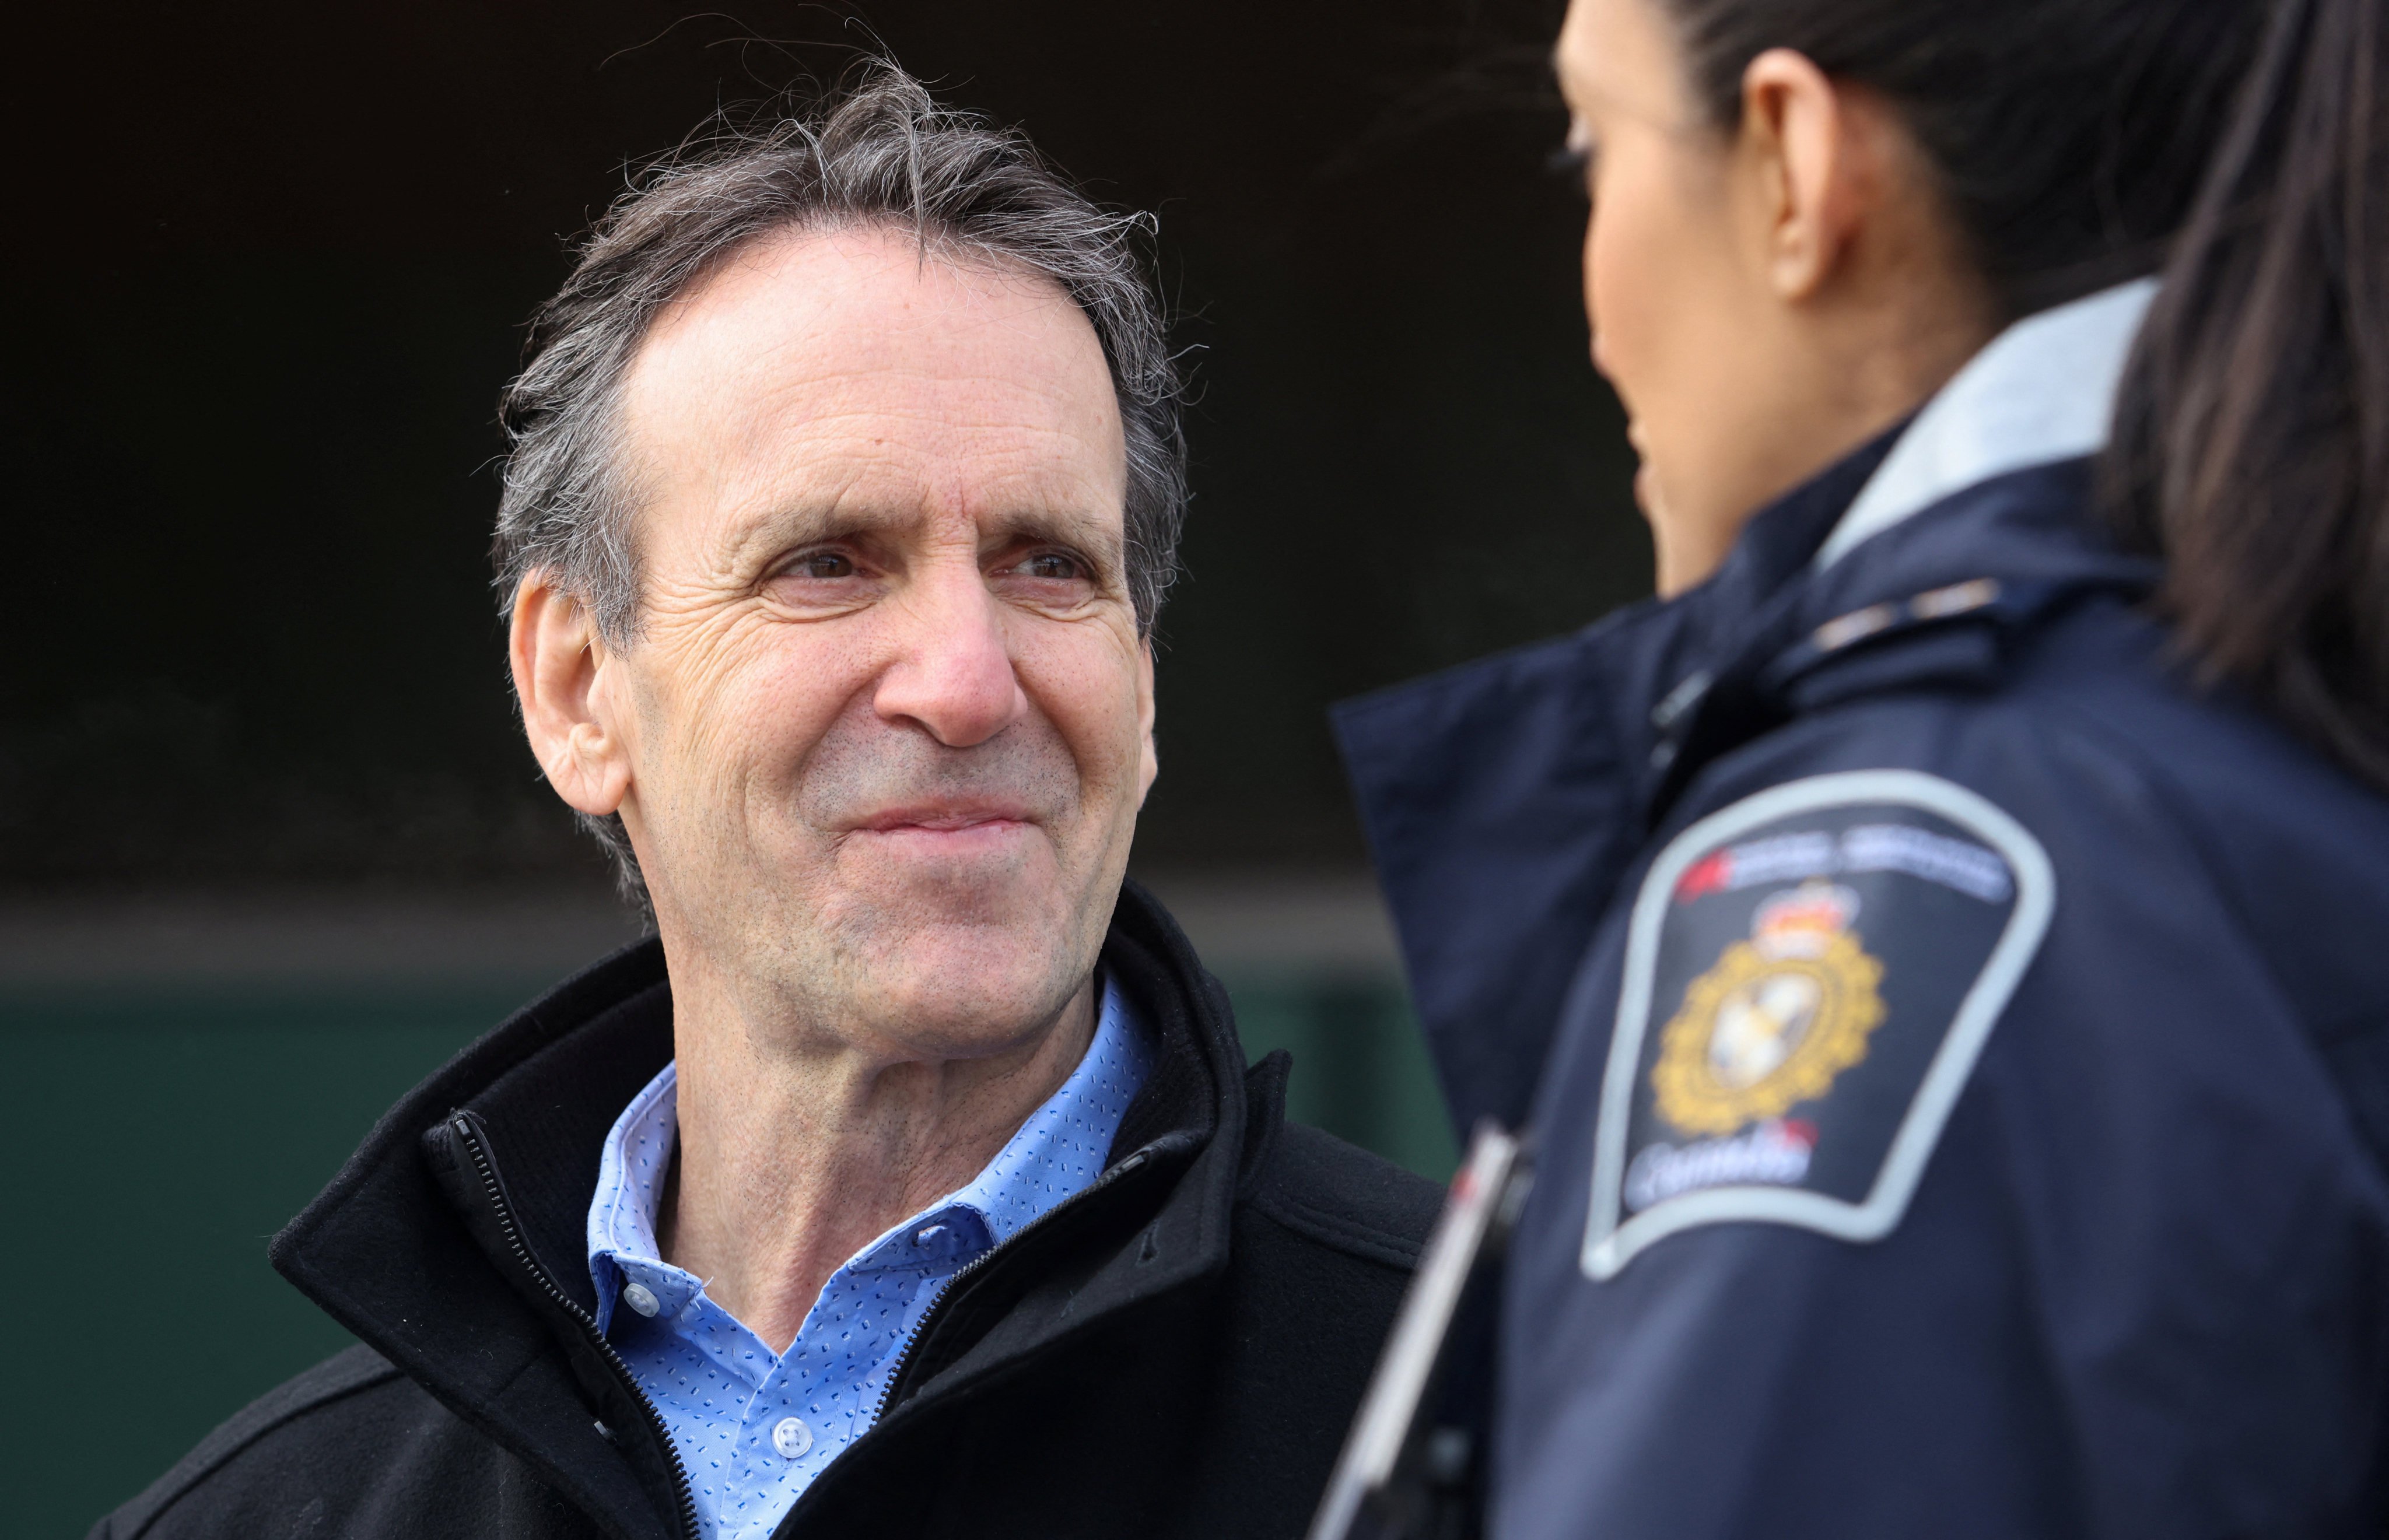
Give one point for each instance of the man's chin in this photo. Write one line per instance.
(967, 989)
(987, 873)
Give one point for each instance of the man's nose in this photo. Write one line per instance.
(953, 673)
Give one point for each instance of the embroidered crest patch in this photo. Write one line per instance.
(1809, 977)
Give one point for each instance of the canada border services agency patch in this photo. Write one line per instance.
(1810, 975)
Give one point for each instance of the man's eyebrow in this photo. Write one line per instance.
(1062, 526)
(788, 525)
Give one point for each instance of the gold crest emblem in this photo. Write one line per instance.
(1778, 1019)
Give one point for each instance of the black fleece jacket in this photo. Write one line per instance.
(1176, 1352)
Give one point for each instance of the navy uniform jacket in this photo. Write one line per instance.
(1959, 1048)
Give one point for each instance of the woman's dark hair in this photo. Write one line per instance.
(2242, 147)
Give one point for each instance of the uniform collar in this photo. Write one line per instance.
(2041, 391)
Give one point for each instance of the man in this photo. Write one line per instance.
(911, 1180)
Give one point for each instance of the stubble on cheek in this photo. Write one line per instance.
(1016, 872)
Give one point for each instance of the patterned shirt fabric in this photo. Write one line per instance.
(753, 1427)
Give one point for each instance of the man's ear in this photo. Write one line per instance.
(1814, 149)
(560, 668)
(1147, 710)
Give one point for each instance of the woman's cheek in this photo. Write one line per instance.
(1625, 288)
(1618, 308)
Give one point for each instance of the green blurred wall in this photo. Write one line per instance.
(163, 1138)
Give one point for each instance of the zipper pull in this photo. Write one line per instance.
(1167, 1145)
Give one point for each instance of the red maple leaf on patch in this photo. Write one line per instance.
(1706, 875)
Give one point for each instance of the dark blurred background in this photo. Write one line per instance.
(270, 845)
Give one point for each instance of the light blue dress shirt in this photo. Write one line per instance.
(753, 1427)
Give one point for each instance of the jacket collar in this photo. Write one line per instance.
(399, 1250)
(1942, 597)
(1505, 800)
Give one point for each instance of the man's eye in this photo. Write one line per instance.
(822, 563)
(1053, 566)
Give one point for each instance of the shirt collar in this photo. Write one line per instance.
(631, 1172)
(1056, 1152)
(1065, 1142)
(2042, 390)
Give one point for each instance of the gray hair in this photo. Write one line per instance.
(884, 153)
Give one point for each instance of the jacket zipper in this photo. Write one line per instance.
(945, 1291)
(513, 1232)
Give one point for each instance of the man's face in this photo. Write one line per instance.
(889, 719)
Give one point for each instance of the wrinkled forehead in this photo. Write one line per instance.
(848, 366)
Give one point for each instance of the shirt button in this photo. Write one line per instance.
(639, 1297)
(792, 1438)
(928, 1235)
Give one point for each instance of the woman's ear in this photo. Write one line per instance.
(1813, 152)
(561, 670)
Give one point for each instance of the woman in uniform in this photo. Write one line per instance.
(1941, 945)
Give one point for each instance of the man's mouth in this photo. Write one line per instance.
(955, 826)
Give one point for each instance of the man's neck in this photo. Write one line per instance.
(792, 1160)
